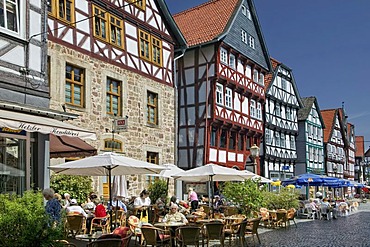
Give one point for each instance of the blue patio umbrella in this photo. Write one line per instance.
(306, 179)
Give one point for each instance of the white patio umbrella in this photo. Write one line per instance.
(170, 171)
(107, 164)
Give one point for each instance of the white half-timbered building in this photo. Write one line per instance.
(281, 123)
(349, 170)
(113, 60)
(220, 84)
(310, 140)
(335, 143)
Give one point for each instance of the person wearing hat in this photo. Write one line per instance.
(74, 208)
(193, 199)
(67, 200)
(174, 215)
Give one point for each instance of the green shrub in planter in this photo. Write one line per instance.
(24, 222)
(286, 198)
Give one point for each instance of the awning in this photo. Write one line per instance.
(44, 125)
(65, 146)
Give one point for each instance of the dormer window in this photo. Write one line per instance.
(246, 12)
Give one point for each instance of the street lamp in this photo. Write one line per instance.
(255, 151)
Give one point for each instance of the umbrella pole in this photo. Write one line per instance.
(110, 195)
(212, 197)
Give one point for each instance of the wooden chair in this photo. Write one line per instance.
(100, 223)
(229, 211)
(214, 231)
(252, 228)
(119, 219)
(281, 217)
(155, 236)
(237, 230)
(64, 243)
(158, 214)
(110, 242)
(291, 216)
(126, 240)
(187, 235)
(75, 224)
(134, 224)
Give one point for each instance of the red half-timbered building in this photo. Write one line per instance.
(220, 82)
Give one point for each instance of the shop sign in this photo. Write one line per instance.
(12, 131)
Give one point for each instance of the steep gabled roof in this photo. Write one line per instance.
(269, 77)
(360, 150)
(205, 22)
(304, 112)
(329, 119)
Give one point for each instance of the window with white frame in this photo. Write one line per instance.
(10, 14)
(219, 94)
(268, 136)
(288, 113)
(277, 139)
(251, 41)
(253, 108)
(292, 142)
(259, 111)
(277, 110)
(283, 83)
(255, 75)
(229, 98)
(261, 79)
(244, 37)
(244, 10)
(248, 71)
(282, 140)
(232, 61)
(223, 55)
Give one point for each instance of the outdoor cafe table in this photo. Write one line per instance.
(89, 237)
(232, 219)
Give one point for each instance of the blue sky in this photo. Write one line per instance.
(326, 44)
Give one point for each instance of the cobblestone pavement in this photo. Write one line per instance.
(350, 231)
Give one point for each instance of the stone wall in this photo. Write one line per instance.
(139, 136)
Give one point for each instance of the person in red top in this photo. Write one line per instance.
(99, 209)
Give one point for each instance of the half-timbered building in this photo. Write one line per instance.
(335, 143)
(360, 159)
(220, 84)
(26, 121)
(112, 61)
(281, 123)
(310, 139)
(349, 170)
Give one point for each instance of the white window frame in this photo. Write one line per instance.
(251, 41)
(277, 139)
(223, 55)
(248, 71)
(277, 110)
(292, 142)
(249, 16)
(252, 108)
(284, 84)
(261, 79)
(288, 113)
(259, 111)
(255, 75)
(232, 61)
(19, 18)
(244, 36)
(268, 136)
(229, 97)
(219, 94)
(282, 140)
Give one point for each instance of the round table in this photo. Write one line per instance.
(170, 224)
(89, 237)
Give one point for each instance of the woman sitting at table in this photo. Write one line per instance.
(141, 205)
(174, 215)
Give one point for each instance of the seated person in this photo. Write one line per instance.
(218, 203)
(74, 208)
(99, 208)
(160, 202)
(174, 215)
(118, 203)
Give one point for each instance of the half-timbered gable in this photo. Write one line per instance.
(359, 159)
(349, 171)
(310, 140)
(220, 84)
(281, 126)
(136, 37)
(334, 143)
(113, 61)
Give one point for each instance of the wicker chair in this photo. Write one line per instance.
(101, 223)
(214, 230)
(75, 224)
(252, 228)
(281, 217)
(155, 236)
(119, 219)
(291, 216)
(237, 230)
(110, 242)
(187, 235)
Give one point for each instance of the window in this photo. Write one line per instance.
(282, 140)
(277, 110)
(232, 140)
(283, 84)
(223, 139)
(10, 14)
(259, 111)
(219, 94)
(232, 61)
(100, 23)
(229, 98)
(150, 48)
(255, 75)
(62, 9)
(268, 136)
(288, 113)
(277, 139)
(253, 108)
(244, 37)
(113, 97)
(116, 31)
(261, 80)
(112, 145)
(75, 83)
(292, 142)
(246, 12)
(251, 42)
(152, 157)
(213, 137)
(152, 107)
(248, 71)
(240, 142)
(139, 3)
(223, 56)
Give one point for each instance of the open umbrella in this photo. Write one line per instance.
(107, 164)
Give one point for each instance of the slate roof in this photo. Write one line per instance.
(304, 112)
(329, 120)
(199, 26)
(360, 150)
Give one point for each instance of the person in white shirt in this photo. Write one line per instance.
(67, 200)
(75, 208)
(141, 204)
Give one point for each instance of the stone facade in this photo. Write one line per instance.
(140, 137)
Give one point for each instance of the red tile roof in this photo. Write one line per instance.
(360, 150)
(205, 22)
(328, 117)
(269, 76)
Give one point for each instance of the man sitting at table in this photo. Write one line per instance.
(174, 215)
(74, 208)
